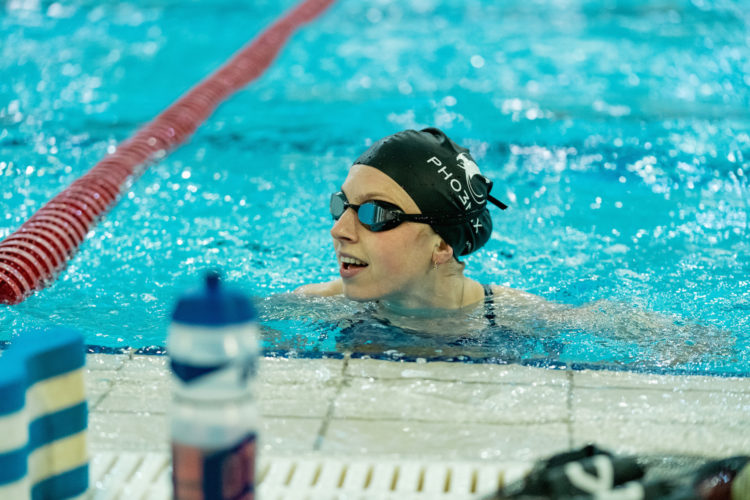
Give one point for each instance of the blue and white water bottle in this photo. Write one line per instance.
(213, 349)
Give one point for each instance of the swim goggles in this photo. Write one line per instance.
(379, 215)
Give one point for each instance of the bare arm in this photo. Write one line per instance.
(675, 338)
(518, 298)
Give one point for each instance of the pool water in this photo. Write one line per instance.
(616, 131)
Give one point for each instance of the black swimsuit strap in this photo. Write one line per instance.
(489, 305)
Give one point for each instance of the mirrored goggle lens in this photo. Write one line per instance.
(338, 205)
(377, 217)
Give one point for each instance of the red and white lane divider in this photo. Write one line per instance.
(31, 257)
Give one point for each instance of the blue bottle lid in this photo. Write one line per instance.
(214, 305)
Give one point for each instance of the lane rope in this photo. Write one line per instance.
(35, 254)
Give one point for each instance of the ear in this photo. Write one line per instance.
(442, 253)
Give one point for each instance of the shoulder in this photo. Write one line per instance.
(322, 289)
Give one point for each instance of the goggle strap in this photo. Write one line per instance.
(441, 219)
(499, 204)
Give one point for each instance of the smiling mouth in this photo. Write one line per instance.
(351, 262)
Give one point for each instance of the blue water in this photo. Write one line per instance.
(617, 132)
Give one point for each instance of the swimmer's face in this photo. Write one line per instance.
(388, 264)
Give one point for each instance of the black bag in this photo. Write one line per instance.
(593, 473)
(573, 474)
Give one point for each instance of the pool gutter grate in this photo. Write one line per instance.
(147, 476)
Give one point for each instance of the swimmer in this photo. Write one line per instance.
(410, 207)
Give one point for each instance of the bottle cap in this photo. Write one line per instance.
(214, 305)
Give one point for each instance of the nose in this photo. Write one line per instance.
(345, 229)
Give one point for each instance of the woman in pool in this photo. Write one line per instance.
(411, 205)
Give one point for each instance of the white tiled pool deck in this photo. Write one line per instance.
(437, 411)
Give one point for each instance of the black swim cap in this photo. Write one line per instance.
(442, 179)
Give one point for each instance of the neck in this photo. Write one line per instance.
(445, 288)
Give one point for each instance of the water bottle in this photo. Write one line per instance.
(213, 349)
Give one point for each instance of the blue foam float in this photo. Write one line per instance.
(43, 416)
